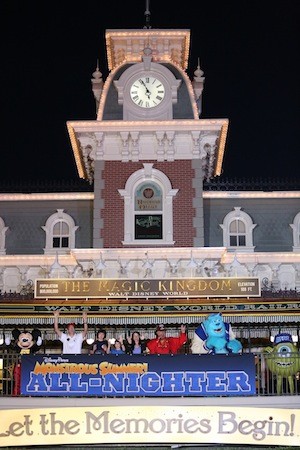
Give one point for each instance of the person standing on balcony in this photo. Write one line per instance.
(100, 346)
(72, 341)
(116, 346)
(135, 344)
(162, 345)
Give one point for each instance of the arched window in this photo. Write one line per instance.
(60, 233)
(296, 233)
(3, 230)
(148, 207)
(238, 231)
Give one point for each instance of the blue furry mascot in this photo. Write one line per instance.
(215, 336)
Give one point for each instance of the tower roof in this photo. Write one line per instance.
(169, 45)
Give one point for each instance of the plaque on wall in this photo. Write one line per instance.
(148, 226)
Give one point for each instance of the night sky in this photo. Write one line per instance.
(248, 50)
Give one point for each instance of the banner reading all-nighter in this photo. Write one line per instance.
(138, 375)
(155, 288)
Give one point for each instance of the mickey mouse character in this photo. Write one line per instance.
(26, 342)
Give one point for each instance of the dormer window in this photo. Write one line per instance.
(296, 233)
(60, 231)
(61, 234)
(3, 230)
(238, 231)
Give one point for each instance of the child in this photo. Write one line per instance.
(118, 348)
(100, 346)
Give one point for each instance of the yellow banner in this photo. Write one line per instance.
(152, 288)
(150, 424)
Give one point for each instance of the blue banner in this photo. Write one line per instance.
(138, 376)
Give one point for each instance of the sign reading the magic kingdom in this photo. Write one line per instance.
(150, 288)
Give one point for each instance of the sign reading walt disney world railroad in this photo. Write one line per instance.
(154, 288)
(135, 375)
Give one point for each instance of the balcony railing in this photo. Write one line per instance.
(272, 378)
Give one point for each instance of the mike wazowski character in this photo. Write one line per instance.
(283, 360)
(214, 336)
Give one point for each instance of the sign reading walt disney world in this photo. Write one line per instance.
(155, 288)
(145, 376)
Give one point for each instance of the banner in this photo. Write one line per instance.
(150, 424)
(152, 288)
(111, 309)
(135, 375)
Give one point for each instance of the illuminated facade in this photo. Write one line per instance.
(151, 209)
(151, 230)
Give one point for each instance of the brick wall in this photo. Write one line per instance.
(115, 175)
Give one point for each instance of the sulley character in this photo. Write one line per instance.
(215, 336)
(283, 360)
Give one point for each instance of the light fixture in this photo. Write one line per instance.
(215, 270)
(100, 266)
(123, 267)
(196, 267)
(56, 267)
(148, 265)
(173, 266)
(192, 263)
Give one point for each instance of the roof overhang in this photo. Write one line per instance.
(166, 45)
(149, 140)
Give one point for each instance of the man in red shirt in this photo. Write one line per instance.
(162, 345)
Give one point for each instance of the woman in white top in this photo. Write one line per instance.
(72, 341)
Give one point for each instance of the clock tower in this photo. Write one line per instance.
(147, 90)
(148, 151)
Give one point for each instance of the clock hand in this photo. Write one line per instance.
(142, 82)
(147, 90)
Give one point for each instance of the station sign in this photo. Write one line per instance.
(147, 288)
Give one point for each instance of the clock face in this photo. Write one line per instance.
(147, 91)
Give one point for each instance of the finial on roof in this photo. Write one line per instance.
(198, 72)
(97, 85)
(147, 51)
(97, 74)
(147, 15)
(198, 86)
(147, 57)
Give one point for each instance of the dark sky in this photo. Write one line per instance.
(249, 52)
